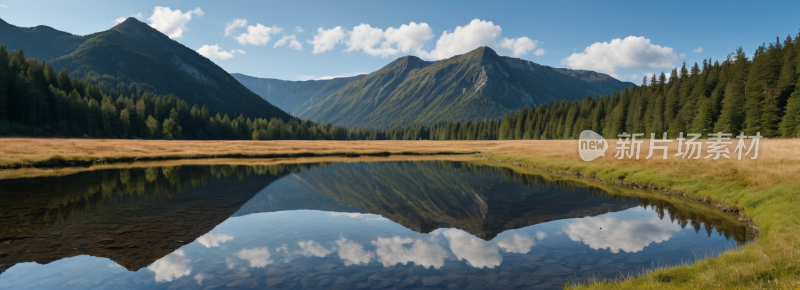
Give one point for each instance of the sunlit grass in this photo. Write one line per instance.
(766, 189)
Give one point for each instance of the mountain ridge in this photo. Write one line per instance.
(476, 85)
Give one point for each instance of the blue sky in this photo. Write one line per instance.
(626, 39)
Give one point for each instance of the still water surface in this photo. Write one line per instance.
(386, 225)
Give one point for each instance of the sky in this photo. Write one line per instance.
(302, 40)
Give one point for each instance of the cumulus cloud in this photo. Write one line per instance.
(213, 240)
(478, 253)
(121, 19)
(353, 253)
(698, 50)
(520, 244)
(394, 250)
(518, 46)
(171, 267)
(312, 248)
(409, 37)
(257, 34)
(258, 257)
(214, 52)
(374, 41)
(298, 29)
(412, 37)
(631, 52)
(291, 40)
(620, 235)
(476, 34)
(540, 52)
(230, 27)
(364, 37)
(172, 22)
(326, 39)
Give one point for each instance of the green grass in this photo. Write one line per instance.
(772, 261)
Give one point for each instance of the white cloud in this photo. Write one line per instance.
(412, 37)
(409, 37)
(375, 41)
(540, 52)
(518, 46)
(353, 253)
(312, 248)
(121, 19)
(476, 34)
(478, 253)
(698, 50)
(199, 278)
(3, 6)
(215, 52)
(230, 27)
(620, 235)
(326, 39)
(291, 40)
(299, 29)
(257, 34)
(213, 240)
(172, 22)
(171, 267)
(520, 244)
(258, 257)
(631, 52)
(364, 37)
(392, 251)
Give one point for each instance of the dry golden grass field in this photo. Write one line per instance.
(767, 189)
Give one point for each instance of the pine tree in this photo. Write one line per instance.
(125, 120)
(152, 126)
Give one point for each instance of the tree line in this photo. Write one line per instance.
(37, 101)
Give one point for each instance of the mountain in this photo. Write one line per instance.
(293, 97)
(476, 85)
(134, 52)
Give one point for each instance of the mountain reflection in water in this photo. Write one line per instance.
(341, 225)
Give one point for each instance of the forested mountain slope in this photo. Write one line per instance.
(145, 59)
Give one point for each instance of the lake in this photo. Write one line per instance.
(356, 225)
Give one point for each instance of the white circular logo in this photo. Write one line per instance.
(591, 145)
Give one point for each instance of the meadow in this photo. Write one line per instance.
(765, 191)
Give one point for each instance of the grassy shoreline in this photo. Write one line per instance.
(765, 190)
(767, 263)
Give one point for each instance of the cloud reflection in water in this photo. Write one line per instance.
(258, 257)
(620, 235)
(171, 267)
